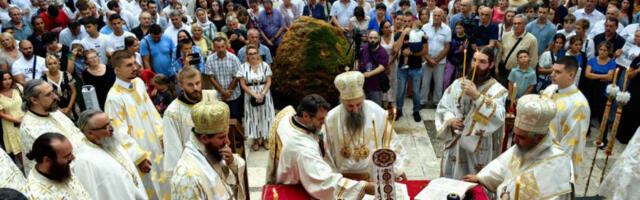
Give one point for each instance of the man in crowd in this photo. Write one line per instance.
(54, 19)
(372, 63)
(145, 24)
(513, 42)
(272, 27)
(222, 67)
(341, 12)
(116, 39)
(599, 27)
(569, 127)
(412, 70)
(542, 29)
(154, 49)
(254, 39)
(42, 115)
(95, 40)
(129, 19)
(177, 123)
(315, 10)
(439, 42)
(470, 119)
(590, 13)
(207, 168)
(296, 157)
(102, 164)
(28, 66)
(486, 34)
(74, 31)
(540, 169)
(351, 121)
(176, 26)
(36, 37)
(152, 8)
(22, 27)
(87, 10)
(52, 178)
(237, 37)
(610, 35)
(465, 15)
(588, 46)
(133, 113)
(10, 173)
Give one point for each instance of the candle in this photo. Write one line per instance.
(473, 76)
(386, 123)
(393, 123)
(464, 65)
(275, 194)
(626, 77)
(517, 188)
(513, 94)
(375, 134)
(615, 76)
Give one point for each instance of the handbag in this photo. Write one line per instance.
(502, 65)
(383, 78)
(254, 102)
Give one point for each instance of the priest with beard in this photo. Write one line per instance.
(177, 123)
(42, 116)
(102, 164)
(207, 169)
(534, 168)
(470, 118)
(296, 155)
(51, 178)
(349, 140)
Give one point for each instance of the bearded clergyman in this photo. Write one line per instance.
(349, 136)
(533, 168)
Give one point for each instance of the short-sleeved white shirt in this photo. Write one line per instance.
(25, 67)
(594, 17)
(437, 39)
(99, 44)
(343, 12)
(117, 42)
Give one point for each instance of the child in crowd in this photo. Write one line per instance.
(415, 41)
(163, 94)
(567, 25)
(523, 76)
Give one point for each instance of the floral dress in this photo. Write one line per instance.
(257, 119)
(11, 132)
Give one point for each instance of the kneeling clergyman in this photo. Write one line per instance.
(349, 139)
(533, 168)
(296, 155)
(207, 169)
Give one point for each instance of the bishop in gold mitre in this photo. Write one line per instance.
(207, 169)
(349, 132)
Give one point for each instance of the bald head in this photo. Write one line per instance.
(485, 14)
(466, 5)
(612, 12)
(438, 15)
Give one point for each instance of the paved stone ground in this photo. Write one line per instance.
(426, 151)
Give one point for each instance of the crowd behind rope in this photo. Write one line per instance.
(411, 49)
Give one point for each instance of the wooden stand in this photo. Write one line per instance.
(508, 126)
(236, 137)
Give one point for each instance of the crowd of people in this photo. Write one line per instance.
(150, 66)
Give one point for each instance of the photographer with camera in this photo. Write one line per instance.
(372, 63)
(185, 55)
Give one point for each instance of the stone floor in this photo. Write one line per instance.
(426, 151)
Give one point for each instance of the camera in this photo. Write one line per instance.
(195, 59)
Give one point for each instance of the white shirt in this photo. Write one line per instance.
(25, 67)
(598, 28)
(66, 37)
(343, 12)
(4, 14)
(117, 42)
(588, 46)
(130, 19)
(437, 39)
(99, 44)
(172, 32)
(594, 17)
(416, 35)
(629, 32)
(564, 32)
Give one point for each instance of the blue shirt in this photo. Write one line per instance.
(522, 79)
(486, 34)
(21, 34)
(262, 50)
(458, 17)
(374, 25)
(544, 35)
(159, 52)
(601, 69)
(271, 25)
(316, 12)
(107, 30)
(177, 64)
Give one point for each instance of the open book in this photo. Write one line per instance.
(439, 188)
(401, 193)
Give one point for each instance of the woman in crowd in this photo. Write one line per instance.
(201, 5)
(184, 35)
(359, 20)
(254, 10)
(184, 56)
(203, 44)
(9, 51)
(54, 48)
(290, 12)
(547, 59)
(626, 13)
(217, 15)
(499, 11)
(75, 65)
(386, 42)
(599, 73)
(455, 59)
(245, 19)
(507, 24)
(11, 114)
(255, 80)
(229, 8)
(423, 16)
(575, 47)
(99, 75)
(454, 8)
(208, 28)
(63, 84)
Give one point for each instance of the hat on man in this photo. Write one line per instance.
(210, 116)
(534, 113)
(350, 85)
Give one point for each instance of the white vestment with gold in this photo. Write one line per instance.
(545, 173)
(467, 151)
(296, 158)
(34, 125)
(569, 128)
(198, 177)
(138, 126)
(107, 174)
(337, 137)
(622, 181)
(41, 188)
(10, 175)
(176, 125)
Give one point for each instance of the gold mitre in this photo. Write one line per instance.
(534, 113)
(210, 116)
(350, 85)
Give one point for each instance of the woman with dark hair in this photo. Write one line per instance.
(53, 47)
(11, 114)
(599, 73)
(201, 4)
(626, 12)
(216, 15)
(386, 42)
(547, 59)
(245, 19)
(359, 20)
(455, 58)
(229, 8)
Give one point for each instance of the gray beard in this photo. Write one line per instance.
(109, 144)
(355, 121)
(521, 152)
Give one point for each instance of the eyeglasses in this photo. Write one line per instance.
(106, 126)
(251, 54)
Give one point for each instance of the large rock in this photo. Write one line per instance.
(309, 57)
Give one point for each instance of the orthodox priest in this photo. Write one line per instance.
(296, 157)
(10, 174)
(349, 140)
(533, 168)
(207, 168)
(102, 165)
(134, 115)
(470, 119)
(176, 123)
(41, 105)
(568, 129)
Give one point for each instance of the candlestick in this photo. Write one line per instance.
(393, 123)
(275, 194)
(517, 194)
(513, 94)
(375, 134)
(464, 65)
(473, 76)
(626, 77)
(615, 76)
